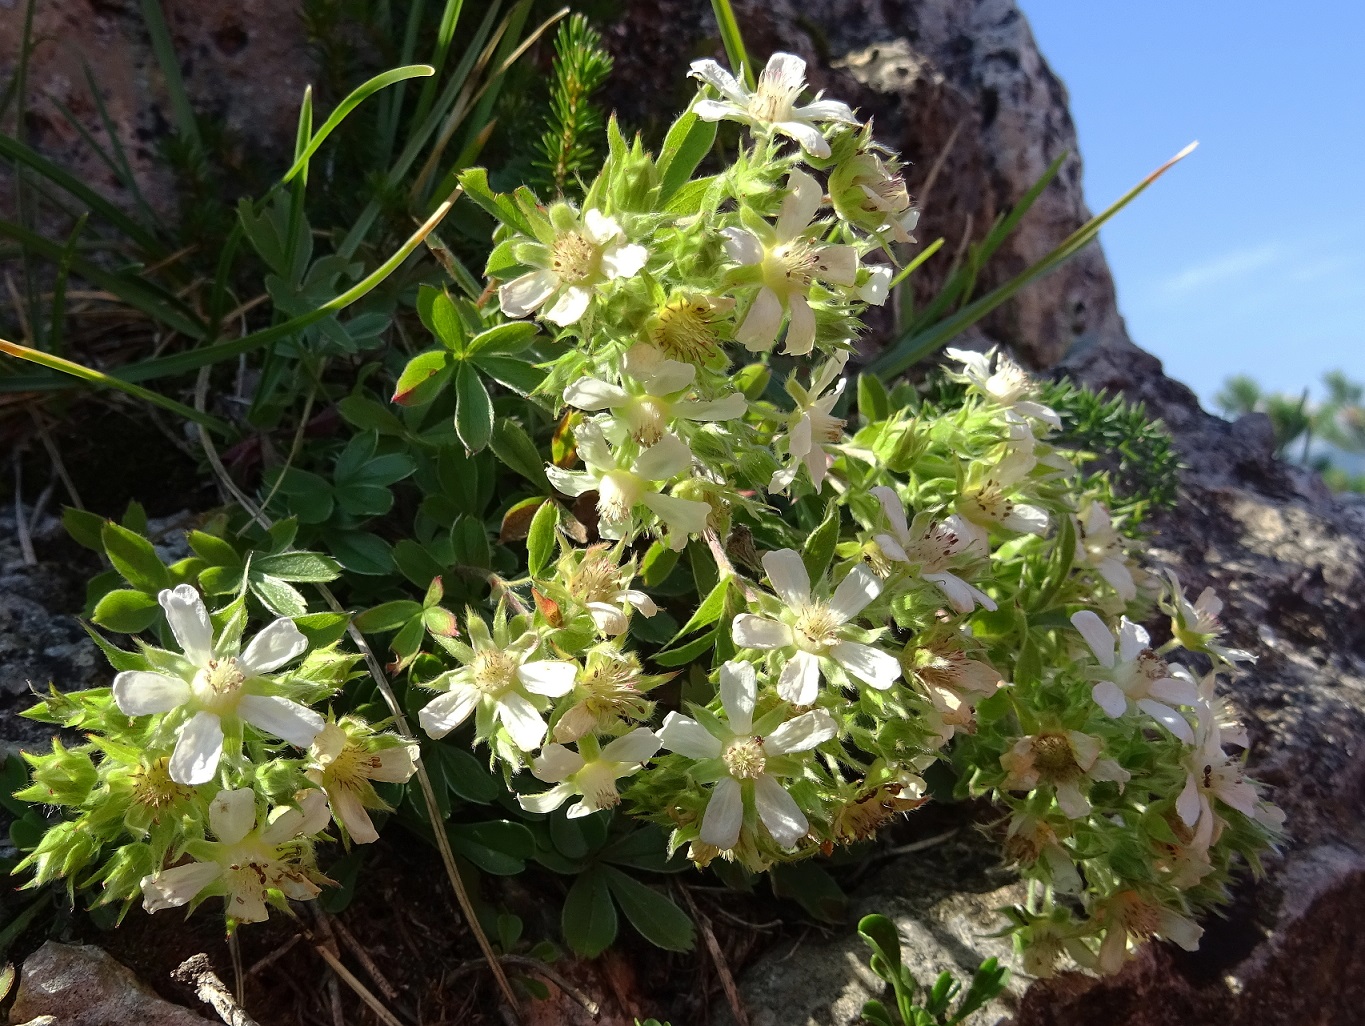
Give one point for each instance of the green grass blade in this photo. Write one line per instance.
(120, 156)
(391, 103)
(353, 100)
(95, 377)
(916, 346)
(445, 33)
(135, 291)
(57, 323)
(186, 123)
(733, 40)
(22, 154)
(918, 262)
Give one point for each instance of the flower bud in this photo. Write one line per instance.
(63, 777)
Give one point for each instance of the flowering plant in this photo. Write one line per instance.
(747, 609)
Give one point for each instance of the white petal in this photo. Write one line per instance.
(394, 765)
(547, 801)
(1180, 930)
(600, 228)
(1039, 412)
(664, 460)
(571, 305)
(784, 72)
(570, 482)
(526, 294)
(1171, 689)
(894, 511)
(608, 618)
(801, 733)
(232, 814)
(1239, 795)
(799, 682)
(552, 678)
(750, 631)
(639, 600)
(891, 548)
(799, 206)
(1120, 578)
(1168, 718)
(961, 595)
(178, 885)
(826, 110)
(524, 725)
(1187, 806)
(1029, 519)
(1071, 801)
(684, 735)
(1109, 697)
(189, 622)
(295, 723)
(761, 324)
(872, 666)
(1133, 640)
(738, 692)
(556, 763)
(668, 376)
(810, 138)
(743, 247)
(878, 286)
(281, 642)
(730, 408)
(837, 264)
(142, 692)
(800, 338)
(713, 74)
(724, 815)
(829, 370)
(640, 745)
(787, 574)
(779, 812)
(683, 516)
(1096, 635)
(446, 712)
(352, 814)
(714, 110)
(623, 261)
(197, 750)
(591, 394)
(859, 588)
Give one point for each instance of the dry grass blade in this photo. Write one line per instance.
(727, 978)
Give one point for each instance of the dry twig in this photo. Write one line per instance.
(727, 978)
(197, 972)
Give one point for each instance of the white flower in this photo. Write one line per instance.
(877, 287)
(343, 766)
(1128, 914)
(1008, 384)
(577, 255)
(746, 764)
(249, 863)
(868, 193)
(813, 634)
(988, 501)
(788, 263)
(216, 684)
(1099, 546)
(811, 427)
(1137, 675)
(930, 547)
(502, 682)
(1195, 625)
(621, 488)
(772, 106)
(651, 398)
(594, 779)
(594, 579)
(1065, 759)
(1211, 775)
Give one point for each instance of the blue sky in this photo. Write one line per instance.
(1249, 256)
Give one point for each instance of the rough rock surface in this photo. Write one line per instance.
(961, 90)
(79, 985)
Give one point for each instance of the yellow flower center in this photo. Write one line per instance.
(648, 419)
(682, 330)
(597, 578)
(154, 788)
(1053, 755)
(494, 670)
(574, 258)
(744, 758)
(815, 629)
(791, 267)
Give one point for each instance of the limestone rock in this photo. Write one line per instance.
(961, 90)
(80, 985)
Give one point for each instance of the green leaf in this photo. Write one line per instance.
(687, 144)
(512, 445)
(322, 629)
(127, 611)
(818, 551)
(873, 401)
(658, 919)
(362, 553)
(445, 322)
(423, 378)
(387, 616)
(134, 558)
(540, 541)
(309, 567)
(689, 652)
(279, 597)
(518, 375)
(84, 527)
(504, 340)
(213, 549)
(658, 563)
(473, 409)
(710, 609)
(589, 917)
(498, 847)
(475, 184)
(879, 933)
